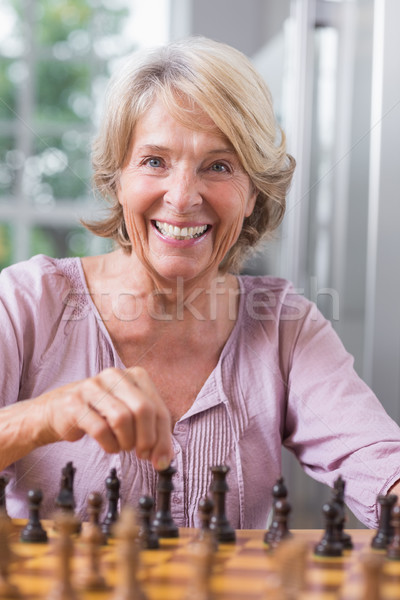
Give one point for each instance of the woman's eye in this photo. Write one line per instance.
(219, 167)
(153, 162)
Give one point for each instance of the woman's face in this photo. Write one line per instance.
(184, 195)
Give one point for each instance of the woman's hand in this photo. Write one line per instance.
(120, 409)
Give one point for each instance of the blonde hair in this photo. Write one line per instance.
(219, 80)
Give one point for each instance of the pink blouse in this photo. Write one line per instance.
(283, 377)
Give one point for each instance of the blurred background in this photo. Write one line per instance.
(333, 70)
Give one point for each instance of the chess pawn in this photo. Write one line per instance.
(372, 571)
(206, 507)
(66, 524)
(384, 533)
(279, 492)
(148, 538)
(393, 551)
(7, 589)
(202, 554)
(128, 558)
(93, 538)
(281, 522)
(95, 502)
(33, 531)
(290, 565)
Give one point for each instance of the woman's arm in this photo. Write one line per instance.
(121, 410)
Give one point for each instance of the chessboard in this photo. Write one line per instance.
(244, 570)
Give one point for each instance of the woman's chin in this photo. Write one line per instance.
(177, 271)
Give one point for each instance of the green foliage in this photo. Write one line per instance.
(47, 145)
(5, 245)
(61, 89)
(57, 18)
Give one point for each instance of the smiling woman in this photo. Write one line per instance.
(157, 352)
(203, 94)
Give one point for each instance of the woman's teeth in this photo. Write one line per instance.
(180, 233)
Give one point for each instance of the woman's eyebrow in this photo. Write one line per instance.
(158, 148)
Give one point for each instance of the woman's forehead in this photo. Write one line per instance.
(158, 118)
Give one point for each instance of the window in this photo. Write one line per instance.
(55, 60)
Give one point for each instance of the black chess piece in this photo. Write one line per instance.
(163, 523)
(384, 534)
(3, 483)
(206, 508)
(338, 500)
(112, 486)
(33, 530)
(281, 522)
(329, 545)
(279, 492)
(219, 523)
(393, 551)
(65, 501)
(148, 538)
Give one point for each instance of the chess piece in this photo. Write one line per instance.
(65, 501)
(338, 500)
(280, 524)
(66, 523)
(289, 560)
(33, 531)
(279, 492)
(206, 508)
(93, 538)
(384, 534)
(112, 486)
(163, 523)
(329, 545)
(128, 561)
(148, 538)
(393, 551)
(202, 557)
(7, 589)
(219, 522)
(3, 483)
(372, 570)
(95, 502)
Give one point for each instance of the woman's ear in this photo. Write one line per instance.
(251, 201)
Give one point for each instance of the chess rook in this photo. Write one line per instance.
(219, 522)
(384, 533)
(163, 523)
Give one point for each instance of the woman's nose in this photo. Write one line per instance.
(183, 192)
